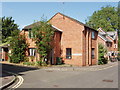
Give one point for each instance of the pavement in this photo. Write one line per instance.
(84, 68)
(6, 79)
(71, 68)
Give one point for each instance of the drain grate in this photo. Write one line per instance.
(5, 78)
(55, 85)
(107, 80)
(49, 71)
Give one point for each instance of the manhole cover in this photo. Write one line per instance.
(107, 80)
(55, 85)
(5, 78)
(49, 71)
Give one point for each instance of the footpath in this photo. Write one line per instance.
(84, 68)
(6, 79)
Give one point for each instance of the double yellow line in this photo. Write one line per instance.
(20, 80)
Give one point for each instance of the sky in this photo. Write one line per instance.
(25, 13)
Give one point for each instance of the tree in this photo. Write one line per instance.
(43, 35)
(8, 26)
(18, 47)
(106, 18)
(119, 27)
(101, 52)
(0, 30)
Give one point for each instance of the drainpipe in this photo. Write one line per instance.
(2, 54)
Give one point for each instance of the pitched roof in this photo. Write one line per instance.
(111, 34)
(37, 23)
(104, 38)
(74, 20)
(30, 26)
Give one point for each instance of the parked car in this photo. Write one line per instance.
(113, 59)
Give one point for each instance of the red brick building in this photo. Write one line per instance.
(110, 41)
(75, 42)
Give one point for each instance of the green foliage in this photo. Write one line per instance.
(8, 26)
(106, 18)
(101, 52)
(59, 61)
(0, 30)
(43, 35)
(29, 63)
(119, 26)
(41, 63)
(18, 47)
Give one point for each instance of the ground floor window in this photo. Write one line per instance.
(93, 53)
(31, 51)
(68, 53)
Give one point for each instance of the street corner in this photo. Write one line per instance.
(7, 79)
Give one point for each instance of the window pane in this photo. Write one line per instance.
(31, 51)
(68, 53)
(93, 35)
(93, 53)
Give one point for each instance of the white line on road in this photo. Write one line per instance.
(19, 82)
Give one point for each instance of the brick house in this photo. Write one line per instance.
(4, 50)
(110, 41)
(75, 42)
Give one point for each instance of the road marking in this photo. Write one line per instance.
(20, 78)
(19, 83)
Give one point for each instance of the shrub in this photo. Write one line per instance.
(18, 48)
(102, 51)
(29, 63)
(41, 63)
(59, 61)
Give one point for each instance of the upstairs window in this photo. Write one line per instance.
(68, 53)
(93, 53)
(93, 35)
(115, 45)
(31, 35)
(31, 51)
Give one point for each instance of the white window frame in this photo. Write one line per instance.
(31, 51)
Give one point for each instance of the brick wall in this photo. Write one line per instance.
(72, 37)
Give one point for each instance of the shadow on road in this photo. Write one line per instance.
(14, 69)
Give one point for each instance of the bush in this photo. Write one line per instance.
(41, 63)
(102, 51)
(29, 63)
(18, 48)
(59, 61)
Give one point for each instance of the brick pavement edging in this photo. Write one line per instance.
(87, 68)
(10, 82)
(71, 68)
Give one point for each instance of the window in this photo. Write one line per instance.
(115, 45)
(93, 53)
(31, 34)
(68, 53)
(31, 51)
(93, 35)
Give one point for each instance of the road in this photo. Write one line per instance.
(39, 78)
